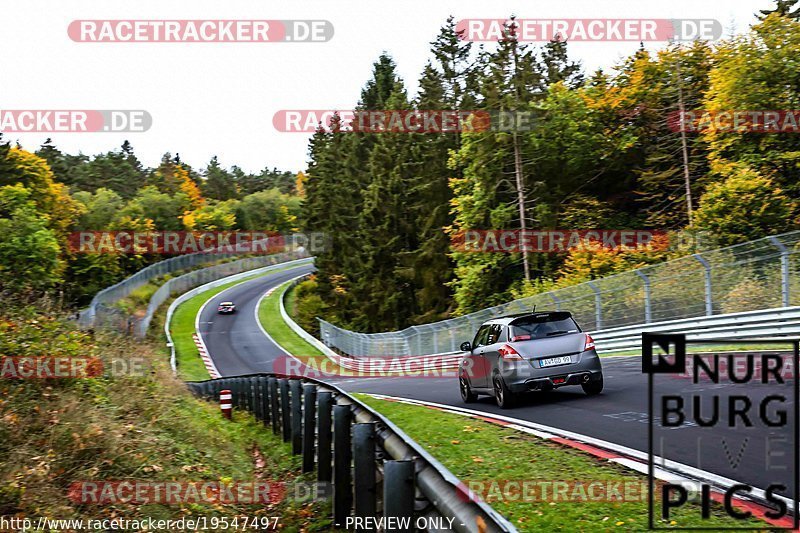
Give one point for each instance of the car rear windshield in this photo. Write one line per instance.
(541, 326)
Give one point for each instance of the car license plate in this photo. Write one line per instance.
(555, 361)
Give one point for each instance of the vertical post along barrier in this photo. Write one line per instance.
(297, 416)
(324, 436)
(342, 479)
(398, 493)
(309, 425)
(364, 468)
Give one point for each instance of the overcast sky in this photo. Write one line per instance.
(219, 98)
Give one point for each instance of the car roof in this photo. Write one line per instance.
(226, 303)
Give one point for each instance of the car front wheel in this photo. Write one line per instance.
(502, 395)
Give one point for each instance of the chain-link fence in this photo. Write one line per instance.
(761, 274)
(103, 312)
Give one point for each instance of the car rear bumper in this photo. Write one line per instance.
(587, 369)
(556, 381)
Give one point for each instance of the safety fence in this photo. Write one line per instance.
(757, 275)
(372, 468)
(103, 313)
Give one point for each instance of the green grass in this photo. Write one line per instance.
(181, 328)
(269, 314)
(480, 452)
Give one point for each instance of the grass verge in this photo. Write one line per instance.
(484, 455)
(269, 314)
(135, 422)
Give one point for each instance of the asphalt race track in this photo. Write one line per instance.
(758, 455)
(236, 342)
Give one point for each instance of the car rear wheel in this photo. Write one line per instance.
(503, 396)
(593, 388)
(466, 392)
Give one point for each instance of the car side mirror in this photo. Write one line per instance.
(466, 347)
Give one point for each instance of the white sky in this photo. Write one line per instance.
(219, 98)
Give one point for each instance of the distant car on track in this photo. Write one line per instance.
(528, 352)
(225, 308)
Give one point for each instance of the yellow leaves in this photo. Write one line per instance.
(476, 459)
(471, 429)
(189, 187)
(455, 442)
(300, 184)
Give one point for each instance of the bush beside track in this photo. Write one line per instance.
(145, 426)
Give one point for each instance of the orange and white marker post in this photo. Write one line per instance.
(225, 404)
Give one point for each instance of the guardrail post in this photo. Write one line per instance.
(286, 420)
(598, 306)
(709, 297)
(264, 384)
(647, 308)
(251, 387)
(398, 493)
(309, 425)
(324, 436)
(342, 479)
(236, 393)
(272, 384)
(364, 468)
(784, 269)
(297, 416)
(257, 401)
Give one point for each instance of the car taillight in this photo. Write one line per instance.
(509, 354)
(589, 343)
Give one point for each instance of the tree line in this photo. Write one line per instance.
(46, 195)
(600, 154)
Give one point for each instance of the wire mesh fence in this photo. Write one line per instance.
(761, 274)
(103, 312)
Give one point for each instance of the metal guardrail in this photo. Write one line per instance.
(757, 275)
(367, 459)
(102, 313)
(772, 323)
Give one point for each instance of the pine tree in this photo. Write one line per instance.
(783, 8)
(218, 183)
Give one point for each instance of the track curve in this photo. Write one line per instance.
(619, 415)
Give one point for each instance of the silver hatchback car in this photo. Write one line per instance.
(532, 351)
